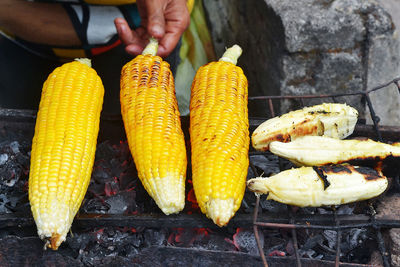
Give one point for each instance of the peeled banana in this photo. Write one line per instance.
(329, 119)
(321, 186)
(321, 150)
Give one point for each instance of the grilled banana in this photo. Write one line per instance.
(321, 186)
(321, 150)
(329, 119)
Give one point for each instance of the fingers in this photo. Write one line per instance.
(166, 20)
(168, 43)
(126, 35)
(155, 17)
(133, 41)
(177, 20)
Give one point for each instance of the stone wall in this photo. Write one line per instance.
(311, 47)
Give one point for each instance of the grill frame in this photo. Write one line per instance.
(339, 224)
(23, 120)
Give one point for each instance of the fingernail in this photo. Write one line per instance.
(121, 27)
(157, 31)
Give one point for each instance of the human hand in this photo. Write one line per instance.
(165, 20)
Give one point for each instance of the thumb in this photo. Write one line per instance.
(156, 20)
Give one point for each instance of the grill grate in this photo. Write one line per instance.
(23, 121)
(338, 223)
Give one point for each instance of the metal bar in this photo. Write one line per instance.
(296, 248)
(271, 107)
(395, 81)
(383, 224)
(373, 117)
(263, 97)
(338, 240)
(275, 220)
(253, 168)
(294, 237)
(398, 85)
(255, 229)
(382, 247)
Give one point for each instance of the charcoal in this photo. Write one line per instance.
(309, 210)
(3, 159)
(246, 242)
(265, 164)
(95, 189)
(117, 204)
(3, 202)
(331, 237)
(312, 242)
(356, 237)
(274, 241)
(272, 206)
(117, 167)
(290, 247)
(14, 147)
(79, 241)
(309, 253)
(110, 232)
(214, 241)
(100, 175)
(273, 250)
(23, 160)
(128, 179)
(129, 251)
(105, 150)
(12, 179)
(183, 237)
(135, 240)
(345, 210)
(324, 210)
(95, 205)
(111, 188)
(154, 237)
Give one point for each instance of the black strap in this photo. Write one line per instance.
(80, 28)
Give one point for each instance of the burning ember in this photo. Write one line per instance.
(115, 189)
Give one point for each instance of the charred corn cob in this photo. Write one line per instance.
(321, 186)
(63, 147)
(153, 128)
(321, 150)
(219, 136)
(329, 119)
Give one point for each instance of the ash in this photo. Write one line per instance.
(14, 170)
(103, 246)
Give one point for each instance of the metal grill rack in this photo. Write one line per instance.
(340, 222)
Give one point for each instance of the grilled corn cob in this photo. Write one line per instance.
(219, 136)
(153, 128)
(321, 150)
(329, 119)
(304, 187)
(63, 147)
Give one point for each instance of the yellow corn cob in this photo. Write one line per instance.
(219, 136)
(322, 150)
(329, 119)
(304, 187)
(153, 128)
(63, 147)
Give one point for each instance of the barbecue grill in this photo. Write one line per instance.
(18, 232)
